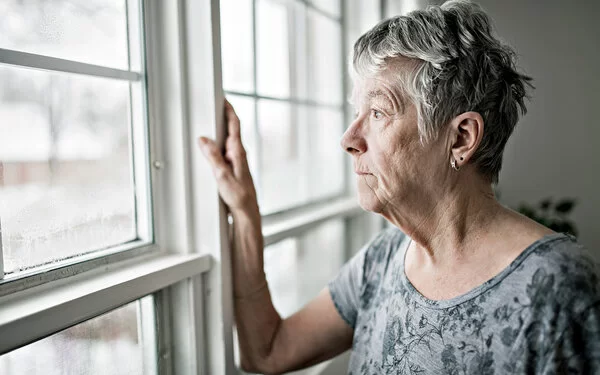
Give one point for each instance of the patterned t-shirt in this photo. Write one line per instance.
(540, 315)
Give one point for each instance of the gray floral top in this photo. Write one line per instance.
(541, 315)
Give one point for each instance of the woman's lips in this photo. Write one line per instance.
(361, 173)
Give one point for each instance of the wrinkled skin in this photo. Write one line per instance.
(402, 174)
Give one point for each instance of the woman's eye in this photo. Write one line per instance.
(377, 115)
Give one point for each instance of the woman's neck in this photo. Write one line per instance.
(449, 227)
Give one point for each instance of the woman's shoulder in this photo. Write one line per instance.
(565, 268)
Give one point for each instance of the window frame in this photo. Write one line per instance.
(90, 260)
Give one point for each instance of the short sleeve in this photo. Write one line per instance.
(353, 286)
(578, 349)
(345, 288)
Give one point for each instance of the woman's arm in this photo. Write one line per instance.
(268, 343)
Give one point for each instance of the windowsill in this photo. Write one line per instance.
(295, 222)
(49, 308)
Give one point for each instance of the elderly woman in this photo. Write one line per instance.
(460, 284)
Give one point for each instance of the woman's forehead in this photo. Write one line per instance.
(380, 87)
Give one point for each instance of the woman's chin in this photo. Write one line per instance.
(369, 202)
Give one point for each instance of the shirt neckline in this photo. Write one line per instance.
(480, 289)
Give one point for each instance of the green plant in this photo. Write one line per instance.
(552, 214)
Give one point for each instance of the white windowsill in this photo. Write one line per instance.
(49, 308)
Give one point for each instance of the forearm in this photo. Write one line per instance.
(256, 319)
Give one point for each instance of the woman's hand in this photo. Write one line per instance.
(231, 170)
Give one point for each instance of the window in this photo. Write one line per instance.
(282, 70)
(297, 268)
(113, 343)
(71, 109)
(97, 257)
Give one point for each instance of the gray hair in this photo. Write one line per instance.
(458, 65)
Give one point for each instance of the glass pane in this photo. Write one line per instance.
(66, 185)
(301, 159)
(109, 344)
(91, 31)
(299, 268)
(325, 67)
(244, 107)
(281, 160)
(236, 45)
(273, 62)
(324, 172)
(330, 6)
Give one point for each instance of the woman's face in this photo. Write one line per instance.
(394, 170)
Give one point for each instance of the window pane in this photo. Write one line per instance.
(273, 61)
(281, 162)
(236, 45)
(324, 172)
(325, 67)
(244, 108)
(109, 344)
(91, 31)
(67, 185)
(299, 268)
(330, 6)
(301, 159)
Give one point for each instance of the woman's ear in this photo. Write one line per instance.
(467, 129)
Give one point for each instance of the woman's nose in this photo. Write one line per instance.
(353, 141)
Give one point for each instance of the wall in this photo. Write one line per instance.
(555, 150)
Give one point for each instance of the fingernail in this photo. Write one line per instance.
(203, 140)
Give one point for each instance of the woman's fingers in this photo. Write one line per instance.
(233, 121)
(235, 152)
(220, 167)
(231, 168)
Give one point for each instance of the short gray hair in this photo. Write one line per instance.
(459, 65)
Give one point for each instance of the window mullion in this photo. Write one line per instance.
(203, 93)
(31, 60)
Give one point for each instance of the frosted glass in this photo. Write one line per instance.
(91, 31)
(66, 176)
(108, 344)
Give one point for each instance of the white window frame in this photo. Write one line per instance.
(187, 268)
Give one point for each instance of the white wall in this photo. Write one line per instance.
(555, 150)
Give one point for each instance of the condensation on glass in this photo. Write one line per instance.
(298, 268)
(91, 31)
(113, 343)
(67, 140)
